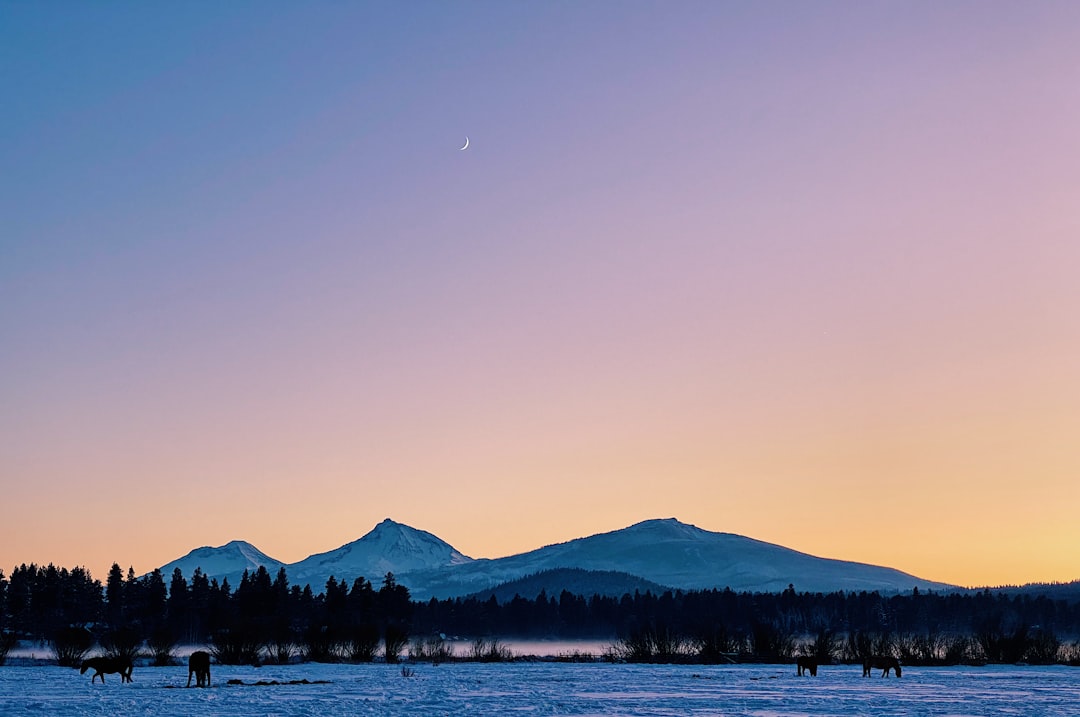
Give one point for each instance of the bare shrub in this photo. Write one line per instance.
(1042, 648)
(657, 644)
(237, 647)
(281, 650)
(717, 645)
(489, 650)
(162, 644)
(856, 647)
(432, 649)
(281, 644)
(70, 645)
(394, 640)
(824, 646)
(575, 656)
(1001, 645)
(321, 644)
(771, 643)
(361, 643)
(121, 643)
(7, 644)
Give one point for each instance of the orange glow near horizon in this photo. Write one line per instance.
(803, 274)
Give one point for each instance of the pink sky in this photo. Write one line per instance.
(802, 272)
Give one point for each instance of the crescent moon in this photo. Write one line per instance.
(464, 146)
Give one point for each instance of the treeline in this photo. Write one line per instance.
(262, 618)
(718, 625)
(266, 618)
(688, 612)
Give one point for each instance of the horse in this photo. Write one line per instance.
(199, 665)
(880, 662)
(806, 664)
(103, 665)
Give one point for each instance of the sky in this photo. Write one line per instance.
(805, 272)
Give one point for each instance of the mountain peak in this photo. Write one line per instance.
(669, 529)
(388, 547)
(411, 545)
(224, 561)
(388, 526)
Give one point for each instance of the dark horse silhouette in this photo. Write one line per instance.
(199, 665)
(880, 662)
(806, 664)
(103, 665)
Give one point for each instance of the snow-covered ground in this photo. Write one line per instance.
(546, 688)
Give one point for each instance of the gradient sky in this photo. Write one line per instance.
(806, 272)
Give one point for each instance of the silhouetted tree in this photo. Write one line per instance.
(3, 602)
(114, 595)
(178, 608)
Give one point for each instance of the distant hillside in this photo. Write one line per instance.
(609, 583)
(1069, 592)
(669, 552)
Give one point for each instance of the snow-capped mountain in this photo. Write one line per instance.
(665, 551)
(676, 554)
(225, 561)
(389, 547)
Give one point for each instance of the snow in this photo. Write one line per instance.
(547, 688)
(388, 547)
(675, 554)
(663, 551)
(226, 561)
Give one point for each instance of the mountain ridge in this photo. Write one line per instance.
(661, 551)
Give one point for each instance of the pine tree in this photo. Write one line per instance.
(3, 602)
(114, 596)
(154, 601)
(178, 607)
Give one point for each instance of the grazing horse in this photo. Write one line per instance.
(880, 662)
(199, 665)
(806, 664)
(103, 665)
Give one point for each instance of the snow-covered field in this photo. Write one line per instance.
(545, 688)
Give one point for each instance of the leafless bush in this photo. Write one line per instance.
(1002, 645)
(281, 650)
(70, 645)
(432, 649)
(575, 656)
(1042, 648)
(7, 643)
(858, 646)
(771, 643)
(394, 640)
(320, 644)
(162, 644)
(237, 647)
(282, 645)
(490, 650)
(361, 643)
(718, 645)
(653, 644)
(122, 643)
(824, 646)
